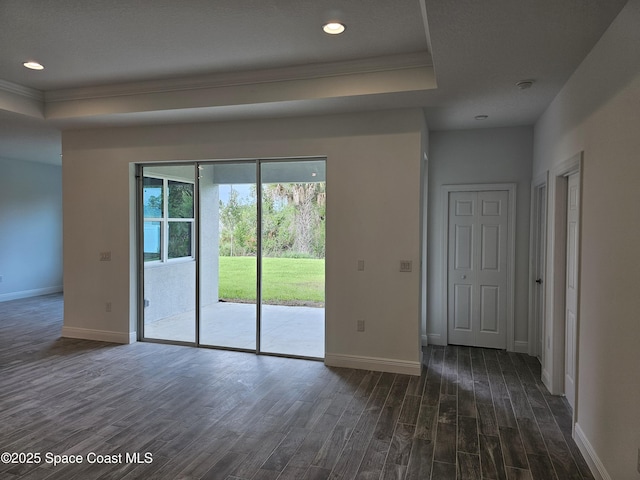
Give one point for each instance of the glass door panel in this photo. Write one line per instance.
(293, 252)
(228, 255)
(169, 253)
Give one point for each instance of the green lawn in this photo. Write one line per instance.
(288, 281)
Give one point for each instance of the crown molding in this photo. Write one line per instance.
(16, 89)
(284, 93)
(312, 71)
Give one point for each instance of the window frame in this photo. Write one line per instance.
(165, 220)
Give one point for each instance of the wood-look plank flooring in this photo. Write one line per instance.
(207, 414)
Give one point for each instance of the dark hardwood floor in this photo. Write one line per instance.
(207, 414)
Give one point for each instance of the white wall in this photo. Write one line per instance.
(598, 112)
(373, 214)
(492, 155)
(30, 229)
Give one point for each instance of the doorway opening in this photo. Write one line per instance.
(571, 285)
(232, 255)
(560, 372)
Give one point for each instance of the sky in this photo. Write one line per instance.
(244, 192)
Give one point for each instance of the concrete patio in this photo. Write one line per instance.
(285, 329)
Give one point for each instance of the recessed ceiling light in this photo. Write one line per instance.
(481, 117)
(33, 65)
(333, 28)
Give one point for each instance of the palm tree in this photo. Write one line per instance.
(309, 202)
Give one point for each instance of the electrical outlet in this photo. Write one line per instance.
(361, 325)
(107, 307)
(105, 256)
(405, 265)
(146, 303)
(360, 265)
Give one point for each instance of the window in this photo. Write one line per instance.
(168, 219)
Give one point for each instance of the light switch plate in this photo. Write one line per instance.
(405, 265)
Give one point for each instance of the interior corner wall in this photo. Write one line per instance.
(597, 112)
(31, 229)
(373, 214)
(492, 155)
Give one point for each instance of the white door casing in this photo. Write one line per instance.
(478, 268)
(571, 298)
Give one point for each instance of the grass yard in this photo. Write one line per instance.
(286, 281)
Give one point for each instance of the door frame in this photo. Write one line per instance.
(553, 366)
(511, 188)
(537, 216)
(137, 176)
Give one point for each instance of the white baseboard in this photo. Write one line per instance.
(99, 335)
(435, 339)
(373, 363)
(5, 297)
(521, 347)
(588, 452)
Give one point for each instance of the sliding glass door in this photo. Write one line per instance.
(228, 255)
(292, 273)
(168, 243)
(234, 255)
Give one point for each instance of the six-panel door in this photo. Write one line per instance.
(477, 268)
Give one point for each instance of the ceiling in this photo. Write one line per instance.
(124, 63)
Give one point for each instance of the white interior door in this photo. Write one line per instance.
(573, 215)
(540, 264)
(477, 268)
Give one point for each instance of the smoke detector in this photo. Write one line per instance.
(525, 84)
